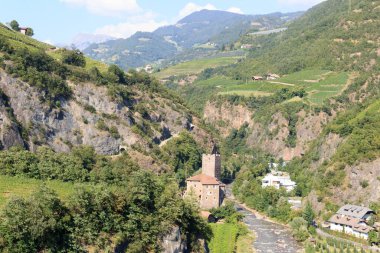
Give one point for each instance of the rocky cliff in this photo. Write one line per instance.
(270, 137)
(91, 117)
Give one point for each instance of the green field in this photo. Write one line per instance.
(319, 85)
(224, 238)
(195, 67)
(23, 187)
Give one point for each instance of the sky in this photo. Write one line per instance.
(59, 21)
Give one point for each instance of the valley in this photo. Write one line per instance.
(221, 133)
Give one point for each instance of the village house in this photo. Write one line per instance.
(353, 220)
(246, 46)
(257, 78)
(271, 76)
(278, 179)
(23, 30)
(206, 187)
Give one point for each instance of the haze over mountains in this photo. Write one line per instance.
(200, 32)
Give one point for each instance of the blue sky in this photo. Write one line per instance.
(59, 21)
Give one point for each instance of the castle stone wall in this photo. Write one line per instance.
(211, 165)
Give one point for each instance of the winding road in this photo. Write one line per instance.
(269, 237)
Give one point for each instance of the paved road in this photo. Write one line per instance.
(270, 237)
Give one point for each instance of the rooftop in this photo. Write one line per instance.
(354, 211)
(352, 222)
(204, 179)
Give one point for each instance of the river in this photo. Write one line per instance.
(270, 237)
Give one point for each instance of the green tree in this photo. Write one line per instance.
(74, 57)
(116, 74)
(37, 224)
(184, 155)
(308, 214)
(373, 237)
(15, 25)
(29, 32)
(299, 229)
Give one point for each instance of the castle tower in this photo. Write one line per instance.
(211, 163)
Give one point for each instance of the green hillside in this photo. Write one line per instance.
(195, 66)
(69, 188)
(11, 187)
(317, 52)
(325, 106)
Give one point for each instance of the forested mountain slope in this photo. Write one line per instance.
(321, 113)
(188, 37)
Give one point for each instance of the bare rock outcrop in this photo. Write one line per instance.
(227, 116)
(362, 185)
(91, 117)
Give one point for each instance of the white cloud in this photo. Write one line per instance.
(235, 10)
(192, 7)
(307, 3)
(106, 7)
(48, 41)
(142, 23)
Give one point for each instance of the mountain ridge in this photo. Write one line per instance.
(194, 30)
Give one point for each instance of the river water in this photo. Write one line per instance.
(269, 237)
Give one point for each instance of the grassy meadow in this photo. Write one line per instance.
(195, 66)
(23, 187)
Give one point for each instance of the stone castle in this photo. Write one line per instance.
(206, 187)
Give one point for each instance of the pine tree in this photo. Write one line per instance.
(308, 213)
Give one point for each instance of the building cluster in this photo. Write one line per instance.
(352, 220)
(206, 187)
(278, 179)
(246, 46)
(268, 76)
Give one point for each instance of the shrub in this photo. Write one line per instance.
(74, 57)
(364, 183)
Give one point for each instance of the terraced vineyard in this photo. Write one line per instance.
(319, 85)
(224, 239)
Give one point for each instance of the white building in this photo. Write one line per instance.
(277, 180)
(351, 219)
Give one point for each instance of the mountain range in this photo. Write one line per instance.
(206, 30)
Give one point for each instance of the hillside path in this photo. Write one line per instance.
(288, 84)
(270, 237)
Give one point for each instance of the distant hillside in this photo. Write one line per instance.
(83, 40)
(322, 113)
(216, 28)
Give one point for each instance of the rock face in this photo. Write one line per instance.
(271, 137)
(362, 184)
(226, 116)
(172, 243)
(91, 117)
